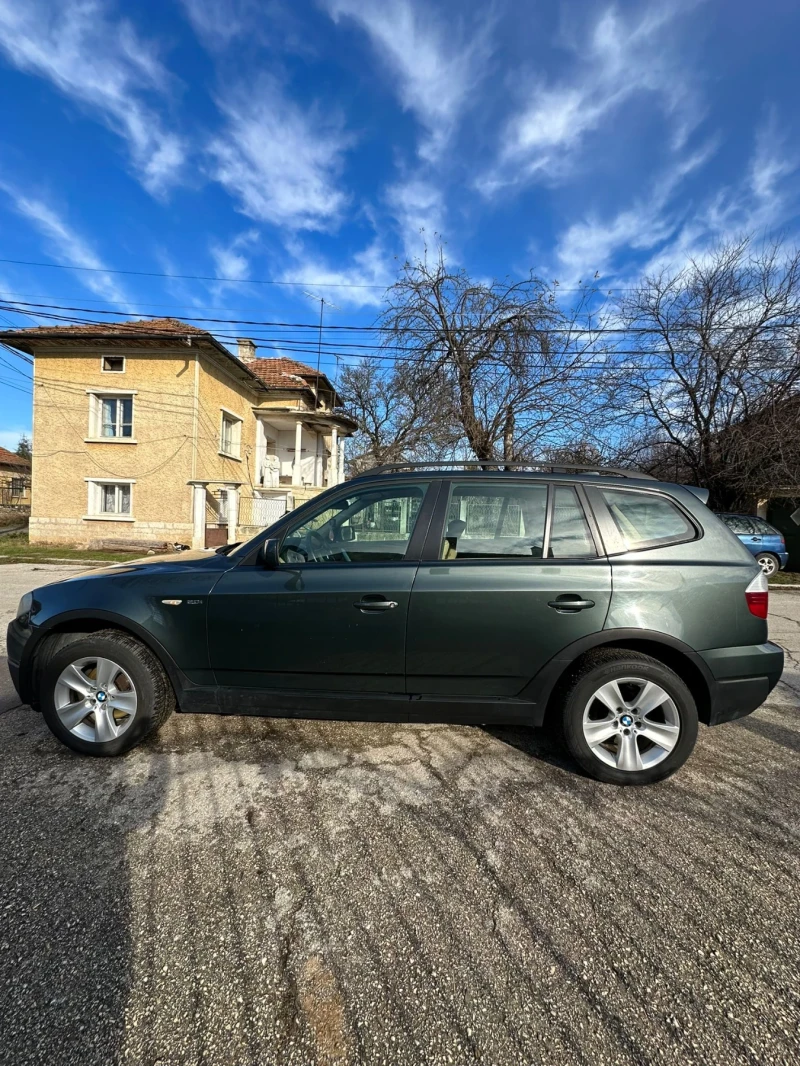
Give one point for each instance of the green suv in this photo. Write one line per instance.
(616, 608)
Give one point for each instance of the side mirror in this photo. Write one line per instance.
(347, 533)
(269, 554)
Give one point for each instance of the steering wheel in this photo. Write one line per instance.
(320, 548)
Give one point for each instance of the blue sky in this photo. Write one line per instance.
(291, 141)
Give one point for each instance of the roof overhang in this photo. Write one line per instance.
(52, 341)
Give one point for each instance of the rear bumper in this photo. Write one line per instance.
(743, 678)
(784, 558)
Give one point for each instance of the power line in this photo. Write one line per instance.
(197, 277)
(20, 305)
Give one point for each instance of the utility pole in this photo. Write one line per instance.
(333, 307)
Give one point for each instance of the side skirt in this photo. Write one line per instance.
(357, 706)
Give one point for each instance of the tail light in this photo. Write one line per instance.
(757, 596)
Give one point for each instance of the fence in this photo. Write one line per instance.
(256, 512)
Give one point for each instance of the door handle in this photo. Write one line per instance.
(375, 605)
(567, 604)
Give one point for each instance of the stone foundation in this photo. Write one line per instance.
(78, 533)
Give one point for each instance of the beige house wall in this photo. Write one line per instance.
(159, 462)
(179, 394)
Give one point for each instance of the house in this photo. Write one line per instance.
(15, 481)
(155, 431)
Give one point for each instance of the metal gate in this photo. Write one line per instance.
(259, 512)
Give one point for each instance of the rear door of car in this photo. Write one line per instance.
(512, 571)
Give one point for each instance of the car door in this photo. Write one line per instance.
(332, 616)
(512, 572)
(747, 532)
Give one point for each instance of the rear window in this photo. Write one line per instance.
(738, 523)
(645, 520)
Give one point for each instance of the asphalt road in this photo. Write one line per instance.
(248, 891)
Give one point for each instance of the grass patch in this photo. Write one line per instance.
(14, 548)
(784, 578)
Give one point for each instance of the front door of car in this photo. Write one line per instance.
(331, 617)
(511, 574)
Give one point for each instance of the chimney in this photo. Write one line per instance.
(247, 350)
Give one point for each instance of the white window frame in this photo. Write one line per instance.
(103, 369)
(236, 434)
(94, 488)
(96, 397)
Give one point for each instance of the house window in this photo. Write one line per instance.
(113, 364)
(110, 417)
(230, 435)
(109, 499)
(17, 486)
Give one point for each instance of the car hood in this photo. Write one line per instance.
(172, 563)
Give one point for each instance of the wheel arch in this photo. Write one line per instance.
(91, 622)
(546, 687)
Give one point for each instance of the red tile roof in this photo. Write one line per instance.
(283, 373)
(8, 458)
(146, 325)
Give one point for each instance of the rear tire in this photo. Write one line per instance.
(769, 563)
(102, 693)
(626, 718)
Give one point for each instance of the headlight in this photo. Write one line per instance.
(24, 609)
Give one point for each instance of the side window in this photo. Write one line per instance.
(645, 520)
(373, 525)
(737, 523)
(569, 537)
(764, 529)
(495, 521)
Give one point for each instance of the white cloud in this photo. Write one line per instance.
(670, 228)
(361, 282)
(436, 64)
(279, 161)
(230, 260)
(419, 209)
(66, 245)
(101, 64)
(592, 244)
(218, 22)
(621, 59)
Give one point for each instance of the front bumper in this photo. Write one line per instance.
(16, 637)
(743, 678)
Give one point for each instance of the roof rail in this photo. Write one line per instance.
(490, 464)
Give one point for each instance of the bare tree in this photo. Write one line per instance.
(502, 355)
(400, 414)
(712, 387)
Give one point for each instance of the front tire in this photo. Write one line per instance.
(769, 563)
(102, 693)
(628, 719)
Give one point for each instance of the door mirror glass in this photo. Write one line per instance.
(347, 533)
(269, 554)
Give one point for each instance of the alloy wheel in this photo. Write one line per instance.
(631, 724)
(767, 564)
(95, 699)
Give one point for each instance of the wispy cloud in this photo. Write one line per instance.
(359, 281)
(436, 63)
(103, 65)
(66, 245)
(418, 207)
(218, 22)
(593, 244)
(279, 161)
(622, 58)
(666, 228)
(231, 260)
